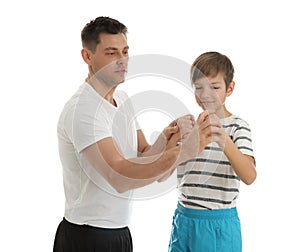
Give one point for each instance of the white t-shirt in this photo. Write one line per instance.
(87, 118)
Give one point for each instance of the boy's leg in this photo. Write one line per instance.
(190, 233)
(229, 237)
(205, 230)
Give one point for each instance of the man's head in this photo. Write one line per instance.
(91, 33)
(212, 78)
(105, 49)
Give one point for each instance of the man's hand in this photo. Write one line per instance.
(178, 130)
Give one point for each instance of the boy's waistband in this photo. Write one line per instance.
(226, 213)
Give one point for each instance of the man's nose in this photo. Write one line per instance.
(122, 60)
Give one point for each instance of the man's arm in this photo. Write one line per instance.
(126, 174)
(168, 138)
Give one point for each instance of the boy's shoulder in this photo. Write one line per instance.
(235, 120)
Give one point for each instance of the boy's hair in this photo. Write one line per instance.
(90, 34)
(210, 64)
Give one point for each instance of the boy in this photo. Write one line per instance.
(206, 218)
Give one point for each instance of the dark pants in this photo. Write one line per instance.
(84, 238)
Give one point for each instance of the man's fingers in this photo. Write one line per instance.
(170, 130)
(185, 124)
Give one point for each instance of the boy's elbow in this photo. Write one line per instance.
(251, 178)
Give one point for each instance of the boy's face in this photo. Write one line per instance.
(211, 93)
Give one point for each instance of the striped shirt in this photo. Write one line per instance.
(208, 181)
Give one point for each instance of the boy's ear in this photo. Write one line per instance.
(230, 88)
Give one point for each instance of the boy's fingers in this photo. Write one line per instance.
(202, 117)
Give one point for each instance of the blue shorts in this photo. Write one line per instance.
(205, 230)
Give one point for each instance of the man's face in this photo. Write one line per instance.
(211, 92)
(110, 59)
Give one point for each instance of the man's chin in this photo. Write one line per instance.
(120, 81)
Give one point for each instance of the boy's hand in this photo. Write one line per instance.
(197, 139)
(218, 134)
(205, 128)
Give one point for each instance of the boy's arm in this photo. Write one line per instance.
(243, 165)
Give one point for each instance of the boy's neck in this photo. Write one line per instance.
(223, 113)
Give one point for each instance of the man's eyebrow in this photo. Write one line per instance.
(111, 49)
(115, 48)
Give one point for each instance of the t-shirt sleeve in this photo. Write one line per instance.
(242, 138)
(88, 126)
(90, 130)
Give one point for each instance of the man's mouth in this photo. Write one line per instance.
(121, 71)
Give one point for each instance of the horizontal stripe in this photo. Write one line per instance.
(212, 148)
(231, 125)
(225, 202)
(220, 175)
(245, 148)
(210, 187)
(243, 138)
(194, 204)
(242, 128)
(206, 160)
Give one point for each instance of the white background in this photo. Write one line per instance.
(41, 67)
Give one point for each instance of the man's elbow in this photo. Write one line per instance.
(121, 188)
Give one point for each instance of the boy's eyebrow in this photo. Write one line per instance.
(207, 83)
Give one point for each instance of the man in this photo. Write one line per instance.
(104, 152)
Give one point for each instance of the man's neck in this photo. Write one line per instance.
(106, 91)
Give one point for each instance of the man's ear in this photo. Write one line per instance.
(85, 53)
(230, 88)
